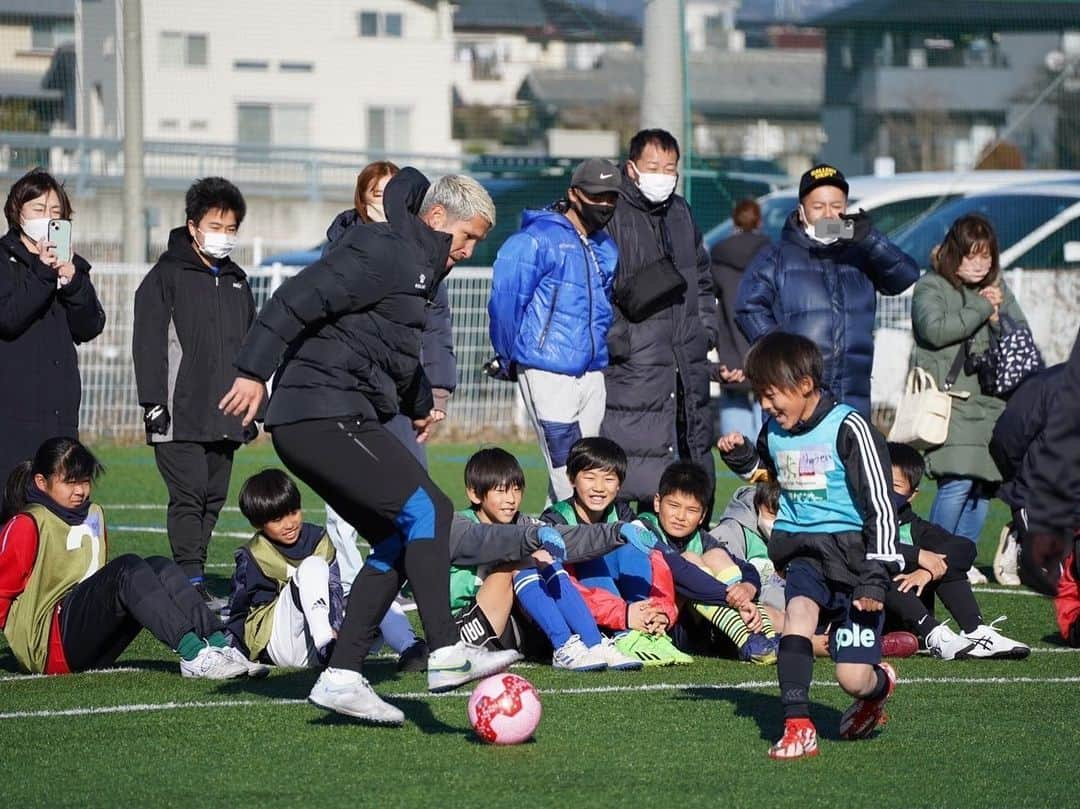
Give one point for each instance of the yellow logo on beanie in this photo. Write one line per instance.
(823, 172)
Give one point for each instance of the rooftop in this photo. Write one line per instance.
(545, 19)
(1000, 14)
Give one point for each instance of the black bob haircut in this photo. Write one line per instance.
(597, 453)
(660, 138)
(780, 360)
(213, 194)
(31, 186)
(767, 495)
(909, 461)
(491, 468)
(687, 478)
(267, 496)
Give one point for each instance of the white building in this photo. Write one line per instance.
(333, 74)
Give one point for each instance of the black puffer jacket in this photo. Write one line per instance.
(343, 335)
(437, 343)
(658, 377)
(189, 324)
(729, 259)
(39, 371)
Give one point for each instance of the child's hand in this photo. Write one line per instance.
(543, 557)
(739, 595)
(729, 442)
(640, 614)
(658, 625)
(751, 617)
(868, 604)
(913, 581)
(934, 563)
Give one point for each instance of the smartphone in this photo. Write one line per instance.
(834, 229)
(60, 235)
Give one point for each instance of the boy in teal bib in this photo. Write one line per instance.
(834, 539)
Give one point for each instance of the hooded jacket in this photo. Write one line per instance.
(189, 323)
(40, 326)
(343, 335)
(437, 343)
(550, 303)
(826, 293)
(657, 380)
(730, 258)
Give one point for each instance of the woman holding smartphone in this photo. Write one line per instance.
(47, 305)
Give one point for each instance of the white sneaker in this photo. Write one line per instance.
(1005, 558)
(349, 693)
(975, 576)
(212, 663)
(945, 644)
(255, 670)
(991, 644)
(576, 656)
(616, 660)
(461, 663)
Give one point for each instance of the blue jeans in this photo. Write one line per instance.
(960, 507)
(738, 412)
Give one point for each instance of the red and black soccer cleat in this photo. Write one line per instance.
(799, 740)
(864, 715)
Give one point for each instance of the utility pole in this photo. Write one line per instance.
(663, 93)
(134, 208)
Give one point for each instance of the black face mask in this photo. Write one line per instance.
(594, 215)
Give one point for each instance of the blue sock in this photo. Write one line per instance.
(196, 580)
(571, 605)
(539, 606)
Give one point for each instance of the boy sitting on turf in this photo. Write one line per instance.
(629, 590)
(744, 530)
(286, 602)
(680, 503)
(483, 596)
(936, 563)
(834, 538)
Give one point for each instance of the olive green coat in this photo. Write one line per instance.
(942, 317)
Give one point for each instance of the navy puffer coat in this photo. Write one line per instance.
(826, 293)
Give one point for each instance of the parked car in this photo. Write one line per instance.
(894, 202)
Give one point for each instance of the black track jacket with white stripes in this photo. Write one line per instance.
(863, 561)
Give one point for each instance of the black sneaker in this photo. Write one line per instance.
(213, 602)
(414, 658)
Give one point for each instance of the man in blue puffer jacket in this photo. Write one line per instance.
(824, 287)
(550, 310)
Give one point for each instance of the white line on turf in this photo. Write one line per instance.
(9, 678)
(1007, 591)
(140, 707)
(156, 529)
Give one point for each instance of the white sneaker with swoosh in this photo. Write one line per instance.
(453, 666)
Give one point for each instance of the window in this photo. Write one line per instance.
(273, 124)
(380, 24)
(296, 67)
(250, 65)
(1049, 254)
(47, 35)
(388, 129)
(168, 123)
(182, 50)
(198, 125)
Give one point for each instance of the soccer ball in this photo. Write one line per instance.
(504, 709)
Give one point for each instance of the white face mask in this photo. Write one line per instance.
(217, 245)
(813, 236)
(36, 229)
(656, 187)
(375, 212)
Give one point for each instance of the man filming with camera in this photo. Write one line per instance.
(820, 281)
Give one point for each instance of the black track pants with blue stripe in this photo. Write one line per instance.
(378, 487)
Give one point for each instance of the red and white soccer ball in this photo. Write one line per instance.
(504, 709)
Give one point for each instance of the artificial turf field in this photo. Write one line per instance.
(971, 733)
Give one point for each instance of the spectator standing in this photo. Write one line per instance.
(825, 287)
(192, 311)
(739, 412)
(550, 311)
(954, 310)
(47, 306)
(658, 408)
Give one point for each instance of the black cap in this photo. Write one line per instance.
(595, 176)
(822, 174)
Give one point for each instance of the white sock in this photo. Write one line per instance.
(312, 579)
(396, 629)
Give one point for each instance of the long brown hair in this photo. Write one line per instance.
(368, 176)
(969, 234)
